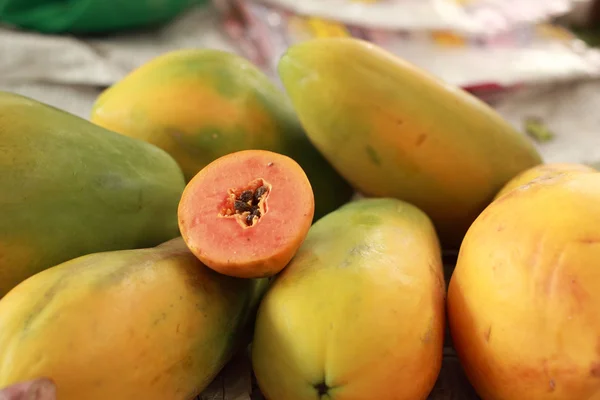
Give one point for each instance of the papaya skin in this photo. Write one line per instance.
(228, 244)
(523, 300)
(70, 188)
(132, 324)
(544, 171)
(405, 133)
(358, 314)
(201, 104)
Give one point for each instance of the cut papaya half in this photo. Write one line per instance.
(247, 213)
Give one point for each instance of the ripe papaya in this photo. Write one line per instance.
(202, 104)
(524, 298)
(150, 323)
(70, 188)
(247, 213)
(359, 311)
(393, 130)
(544, 171)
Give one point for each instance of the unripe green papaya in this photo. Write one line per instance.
(70, 188)
(202, 104)
(393, 130)
(153, 324)
(359, 312)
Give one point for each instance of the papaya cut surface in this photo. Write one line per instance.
(247, 213)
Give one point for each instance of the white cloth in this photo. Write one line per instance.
(70, 73)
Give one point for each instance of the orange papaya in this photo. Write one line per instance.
(148, 323)
(523, 300)
(201, 104)
(70, 188)
(394, 130)
(247, 213)
(358, 314)
(544, 171)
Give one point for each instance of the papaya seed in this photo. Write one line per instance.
(246, 196)
(259, 194)
(241, 206)
(255, 213)
(247, 205)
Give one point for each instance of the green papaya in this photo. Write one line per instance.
(359, 311)
(393, 130)
(150, 324)
(201, 104)
(70, 188)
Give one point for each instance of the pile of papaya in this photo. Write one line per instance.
(205, 209)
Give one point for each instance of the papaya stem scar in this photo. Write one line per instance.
(248, 204)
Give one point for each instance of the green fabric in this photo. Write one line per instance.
(90, 16)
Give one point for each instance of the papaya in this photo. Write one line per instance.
(524, 298)
(70, 188)
(544, 171)
(151, 323)
(358, 314)
(247, 213)
(201, 104)
(394, 130)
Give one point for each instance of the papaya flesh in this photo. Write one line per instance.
(544, 171)
(131, 324)
(70, 188)
(524, 298)
(358, 314)
(393, 130)
(202, 104)
(247, 213)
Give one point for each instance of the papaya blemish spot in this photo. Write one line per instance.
(322, 389)
(248, 204)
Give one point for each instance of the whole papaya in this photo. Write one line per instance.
(149, 323)
(202, 104)
(524, 298)
(70, 188)
(393, 130)
(544, 171)
(359, 312)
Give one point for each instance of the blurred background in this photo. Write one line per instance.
(535, 61)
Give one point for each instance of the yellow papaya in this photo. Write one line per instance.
(524, 298)
(544, 171)
(150, 323)
(358, 314)
(393, 130)
(70, 188)
(202, 104)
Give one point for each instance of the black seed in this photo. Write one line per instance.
(246, 196)
(249, 219)
(240, 206)
(256, 211)
(259, 193)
